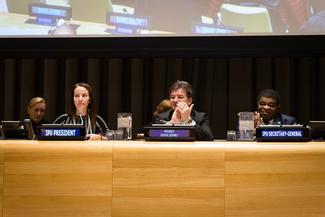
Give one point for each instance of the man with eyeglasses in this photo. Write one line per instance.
(180, 95)
(268, 110)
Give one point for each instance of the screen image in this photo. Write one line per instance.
(104, 18)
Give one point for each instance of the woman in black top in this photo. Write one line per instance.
(83, 112)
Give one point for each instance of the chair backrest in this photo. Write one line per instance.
(92, 11)
(20, 6)
(250, 19)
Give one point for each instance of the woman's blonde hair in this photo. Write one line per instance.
(35, 101)
(162, 106)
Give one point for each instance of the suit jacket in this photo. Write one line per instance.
(282, 119)
(202, 127)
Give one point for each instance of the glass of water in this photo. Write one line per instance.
(124, 123)
(246, 125)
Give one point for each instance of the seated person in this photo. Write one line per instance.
(36, 110)
(163, 106)
(83, 112)
(180, 94)
(268, 110)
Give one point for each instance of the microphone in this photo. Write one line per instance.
(162, 121)
(60, 23)
(29, 129)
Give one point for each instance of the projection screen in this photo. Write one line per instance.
(128, 18)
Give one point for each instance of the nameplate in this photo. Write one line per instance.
(48, 14)
(128, 20)
(203, 28)
(282, 133)
(170, 133)
(61, 132)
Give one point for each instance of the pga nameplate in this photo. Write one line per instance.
(284, 133)
(169, 133)
(61, 132)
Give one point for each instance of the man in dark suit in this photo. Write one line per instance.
(268, 110)
(180, 94)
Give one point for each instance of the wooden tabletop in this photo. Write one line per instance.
(138, 178)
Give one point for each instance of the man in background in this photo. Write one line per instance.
(180, 95)
(268, 110)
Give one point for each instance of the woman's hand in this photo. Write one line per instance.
(96, 137)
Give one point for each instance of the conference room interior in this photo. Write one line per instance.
(132, 73)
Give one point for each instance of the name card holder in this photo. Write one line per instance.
(126, 23)
(169, 133)
(282, 133)
(61, 132)
(48, 15)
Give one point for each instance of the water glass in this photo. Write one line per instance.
(246, 125)
(110, 134)
(119, 135)
(124, 123)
